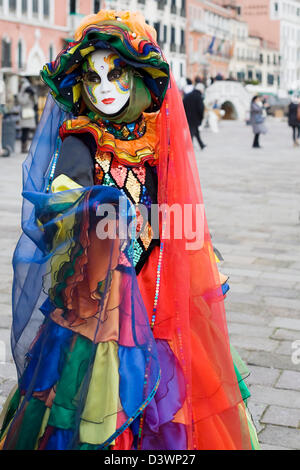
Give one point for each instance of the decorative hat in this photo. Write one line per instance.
(125, 33)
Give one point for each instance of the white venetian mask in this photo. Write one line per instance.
(106, 81)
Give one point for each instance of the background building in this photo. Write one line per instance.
(278, 22)
(254, 60)
(209, 40)
(222, 43)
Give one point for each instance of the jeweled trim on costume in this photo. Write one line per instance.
(106, 142)
(53, 165)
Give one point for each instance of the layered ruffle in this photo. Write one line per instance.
(48, 419)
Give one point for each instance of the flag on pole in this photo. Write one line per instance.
(211, 46)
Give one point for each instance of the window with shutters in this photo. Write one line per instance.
(6, 53)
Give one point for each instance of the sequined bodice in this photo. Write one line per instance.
(139, 184)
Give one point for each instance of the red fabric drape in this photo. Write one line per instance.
(191, 312)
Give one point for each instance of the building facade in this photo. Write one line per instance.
(278, 22)
(254, 60)
(209, 39)
(222, 42)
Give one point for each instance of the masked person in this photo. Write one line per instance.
(119, 332)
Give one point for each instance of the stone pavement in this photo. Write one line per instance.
(10, 214)
(252, 200)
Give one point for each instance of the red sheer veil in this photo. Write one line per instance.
(191, 302)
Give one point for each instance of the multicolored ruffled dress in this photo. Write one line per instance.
(120, 342)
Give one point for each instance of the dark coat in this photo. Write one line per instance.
(194, 108)
(292, 114)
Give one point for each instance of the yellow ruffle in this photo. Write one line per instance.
(99, 418)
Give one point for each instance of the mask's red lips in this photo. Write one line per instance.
(108, 100)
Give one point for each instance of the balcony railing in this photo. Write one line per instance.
(173, 47)
(183, 12)
(142, 1)
(182, 49)
(173, 9)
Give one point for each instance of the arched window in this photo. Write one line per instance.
(24, 7)
(12, 4)
(6, 53)
(46, 8)
(20, 54)
(51, 53)
(73, 7)
(97, 6)
(35, 8)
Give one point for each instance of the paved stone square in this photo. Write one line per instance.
(252, 199)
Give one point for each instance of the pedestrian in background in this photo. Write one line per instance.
(194, 109)
(27, 103)
(294, 119)
(257, 119)
(188, 87)
(215, 114)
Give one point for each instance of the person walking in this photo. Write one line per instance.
(194, 109)
(257, 119)
(26, 101)
(188, 87)
(294, 119)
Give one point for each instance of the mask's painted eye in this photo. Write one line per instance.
(115, 74)
(91, 77)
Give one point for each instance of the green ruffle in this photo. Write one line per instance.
(243, 387)
(31, 425)
(65, 405)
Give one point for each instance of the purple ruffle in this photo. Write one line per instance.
(159, 432)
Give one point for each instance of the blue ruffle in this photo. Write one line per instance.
(46, 357)
(60, 440)
(132, 374)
